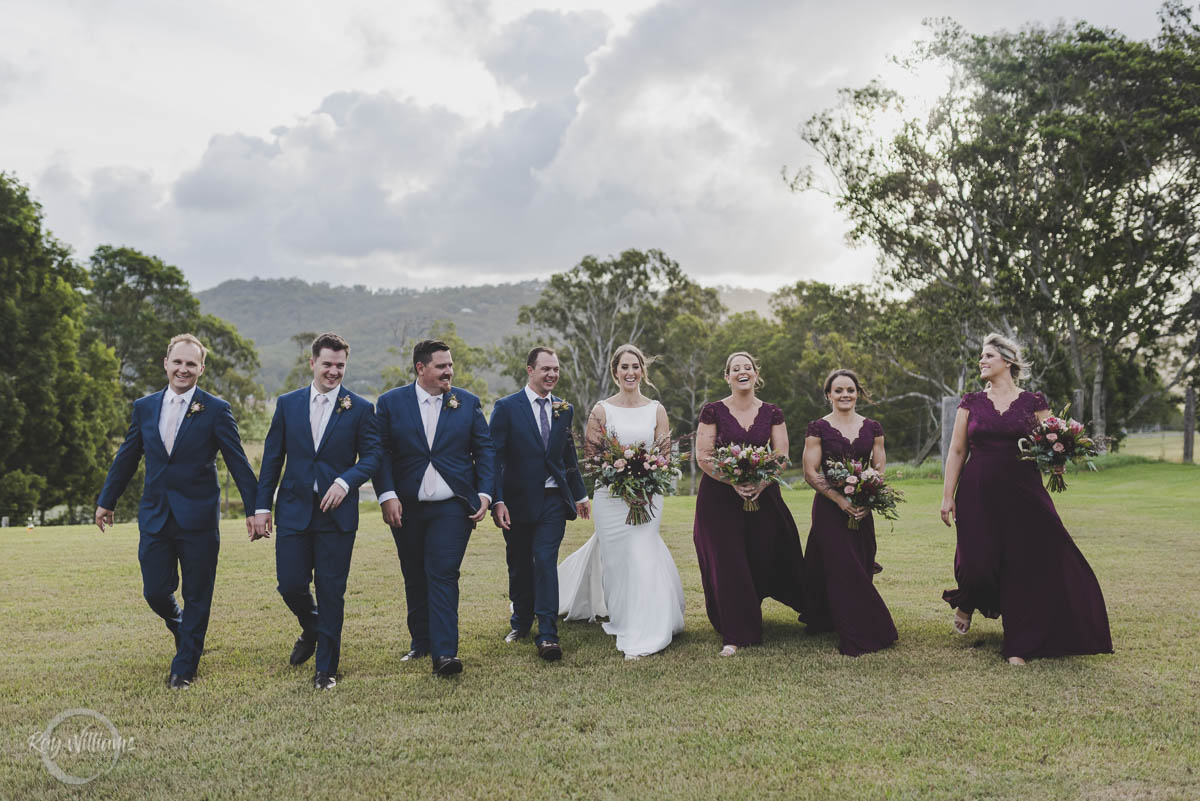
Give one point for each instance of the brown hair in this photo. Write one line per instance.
(641, 357)
(758, 381)
(1010, 351)
(331, 341)
(423, 351)
(531, 359)
(848, 373)
(191, 340)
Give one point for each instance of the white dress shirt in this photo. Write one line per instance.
(431, 411)
(165, 420)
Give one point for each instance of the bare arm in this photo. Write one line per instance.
(954, 463)
(779, 439)
(878, 457)
(662, 427)
(816, 478)
(706, 436)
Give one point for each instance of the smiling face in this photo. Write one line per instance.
(741, 374)
(184, 366)
(843, 394)
(629, 372)
(992, 364)
(543, 375)
(435, 377)
(329, 367)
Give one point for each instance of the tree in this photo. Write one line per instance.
(59, 394)
(468, 361)
(597, 305)
(138, 303)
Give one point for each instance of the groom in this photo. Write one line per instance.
(179, 431)
(538, 488)
(434, 485)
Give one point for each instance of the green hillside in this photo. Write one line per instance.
(270, 312)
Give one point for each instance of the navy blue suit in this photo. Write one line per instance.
(311, 545)
(180, 511)
(538, 515)
(433, 539)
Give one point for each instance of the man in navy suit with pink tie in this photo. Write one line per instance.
(179, 431)
(434, 484)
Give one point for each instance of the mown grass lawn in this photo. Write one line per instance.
(936, 717)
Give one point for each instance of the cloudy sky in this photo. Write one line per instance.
(434, 142)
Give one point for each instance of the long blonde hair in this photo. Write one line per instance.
(642, 360)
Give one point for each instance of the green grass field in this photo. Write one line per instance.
(936, 717)
(1164, 446)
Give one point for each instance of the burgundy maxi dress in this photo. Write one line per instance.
(744, 556)
(839, 592)
(1014, 558)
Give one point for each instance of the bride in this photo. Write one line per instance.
(625, 572)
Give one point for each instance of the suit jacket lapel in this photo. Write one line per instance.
(334, 416)
(412, 407)
(527, 413)
(443, 419)
(157, 435)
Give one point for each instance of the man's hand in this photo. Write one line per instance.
(260, 526)
(393, 512)
(483, 507)
(584, 509)
(500, 515)
(104, 517)
(333, 497)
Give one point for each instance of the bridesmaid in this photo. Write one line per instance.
(1014, 557)
(744, 556)
(839, 593)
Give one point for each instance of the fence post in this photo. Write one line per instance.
(949, 412)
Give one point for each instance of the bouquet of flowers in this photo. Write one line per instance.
(748, 464)
(634, 473)
(863, 485)
(1056, 441)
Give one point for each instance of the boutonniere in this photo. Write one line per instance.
(344, 403)
(452, 401)
(559, 406)
(195, 408)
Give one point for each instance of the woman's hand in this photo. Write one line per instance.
(857, 512)
(948, 511)
(747, 491)
(758, 489)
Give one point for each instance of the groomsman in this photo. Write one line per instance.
(179, 430)
(326, 435)
(434, 485)
(538, 488)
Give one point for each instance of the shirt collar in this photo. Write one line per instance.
(534, 397)
(187, 396)
(331, 395)
(422, 395)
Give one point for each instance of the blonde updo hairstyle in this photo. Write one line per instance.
(1010, 351)
(758, 380)
(642, 360)
(847, 373)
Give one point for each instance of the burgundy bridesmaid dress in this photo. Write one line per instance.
(839, 593)
(744, 556)
(1014, 558)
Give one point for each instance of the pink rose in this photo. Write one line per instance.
(1052, 436)
(1076, 426)
(737, 471)
(662, 461)
(848, 489)
(619, 465)
(628, 453)
(851, 480)
(1058, 446)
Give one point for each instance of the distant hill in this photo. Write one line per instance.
(271, 311)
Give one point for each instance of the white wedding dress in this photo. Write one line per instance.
(623, 572)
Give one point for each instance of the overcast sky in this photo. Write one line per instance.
(435, 142)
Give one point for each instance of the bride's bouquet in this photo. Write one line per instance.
(748, 464)
(634, 473)
(864, 487)
(1056, 441)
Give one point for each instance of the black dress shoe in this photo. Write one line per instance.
(323, 681)
(178, 682)
(303, 650)
(413, 655)
(515, 634)
(550, 651)
(447, 666)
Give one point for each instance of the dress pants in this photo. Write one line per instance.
(319, 554)
(431, 545)
(164, 556)
(531, 549)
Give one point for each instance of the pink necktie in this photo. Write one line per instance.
(173, 422)
(318, 413)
